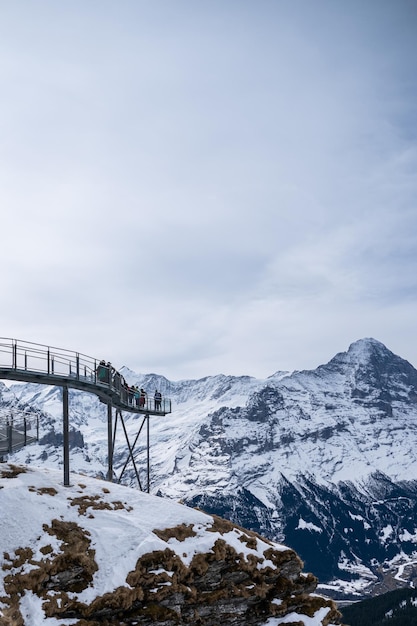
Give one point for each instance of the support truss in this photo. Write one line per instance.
(144, 425)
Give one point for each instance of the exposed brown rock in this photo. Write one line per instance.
(223, 586)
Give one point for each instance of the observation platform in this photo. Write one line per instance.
(35, 363)
(25, 361)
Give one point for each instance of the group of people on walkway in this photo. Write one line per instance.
(131, 395)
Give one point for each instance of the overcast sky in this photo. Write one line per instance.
(214, 186)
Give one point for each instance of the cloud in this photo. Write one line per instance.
(195, 188)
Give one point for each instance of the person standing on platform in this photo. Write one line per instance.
(158, 400)
(136, 394)
(103, 372)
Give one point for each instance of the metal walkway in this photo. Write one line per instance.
(29, 362)
(35, 363)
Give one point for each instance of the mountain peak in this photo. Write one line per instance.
(362, 352)
(367, 346)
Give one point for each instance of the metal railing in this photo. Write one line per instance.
(28, 356)
(25, 356)
(17, 430)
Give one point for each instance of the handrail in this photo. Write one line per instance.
(17, 431)
(18, 411)
(74, 367)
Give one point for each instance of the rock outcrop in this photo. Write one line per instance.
(202, 570)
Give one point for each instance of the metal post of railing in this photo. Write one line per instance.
(26, 360)
(47, 356)
(65, 434)
(14, 365)
(52, 365)
(78, 366)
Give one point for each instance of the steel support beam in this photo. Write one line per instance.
(10, 437)
(65, 430)
(148, 460)
(110, 441)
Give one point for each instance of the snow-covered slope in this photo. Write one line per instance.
(319, 459)
(96, 552)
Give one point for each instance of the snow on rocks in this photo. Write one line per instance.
(96, 552)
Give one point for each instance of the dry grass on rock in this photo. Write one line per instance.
(11, 471)
(224, 585)
(96, 503)
(180, 532)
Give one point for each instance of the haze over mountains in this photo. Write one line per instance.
(322, 460)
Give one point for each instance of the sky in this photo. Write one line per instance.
(194, 188)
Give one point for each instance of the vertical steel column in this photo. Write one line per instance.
(110, 442)
(148, 454)
(65, 435)
(9, 437)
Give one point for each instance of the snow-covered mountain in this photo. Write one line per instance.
(100, 553)
(324, 460)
